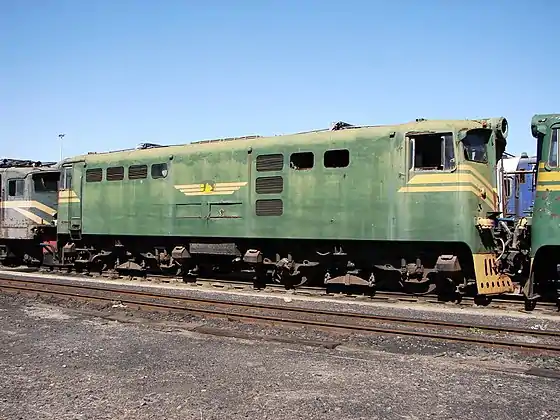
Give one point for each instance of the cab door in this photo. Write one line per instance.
(70, 200)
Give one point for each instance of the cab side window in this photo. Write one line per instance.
(553, 155)
(431, 152)
(15, 187)
(475, 145)
(67, 179)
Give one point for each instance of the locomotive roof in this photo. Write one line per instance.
(24, 169)
(340, 131)
(546, 118)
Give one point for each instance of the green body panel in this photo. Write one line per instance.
(367, 200)
(545, 228)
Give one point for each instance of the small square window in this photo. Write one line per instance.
(337, 158)
(302, 160)
(159, 170)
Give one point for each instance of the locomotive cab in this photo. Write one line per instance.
(28, 202)
(544, 280)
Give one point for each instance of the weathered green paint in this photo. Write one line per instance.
(545, 229)
(361, 201)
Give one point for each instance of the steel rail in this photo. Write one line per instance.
(131, 298)
(295, 309)
(380, 295)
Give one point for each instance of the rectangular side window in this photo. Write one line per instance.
(15, 187)
(336, 158)
(272, 207)
(507, 187)
(431, 152)
(67, 181)
(302, 160)
(553, 156)
(269, 185)
(159, 170)
(270, 162)
(138, 172)
(94, 175)
(115, 173)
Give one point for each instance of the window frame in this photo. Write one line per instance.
(554, 138)
(67, 174)
(410, 139)
(334, 151)
(16, 181)
(36, 175)
(302, 152)
(162, 164)
(462, 141)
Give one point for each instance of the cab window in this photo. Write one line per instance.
(46, 182)
(474, 145)
(15, 187)
(553, 155)
(67, 179)
(431, 152)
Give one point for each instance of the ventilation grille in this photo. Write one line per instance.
(269, 185)
(94, 175)
(115, 174)
(137, 172)
(273, 207)
(270, 162)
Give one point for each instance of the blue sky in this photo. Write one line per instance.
(112, 74)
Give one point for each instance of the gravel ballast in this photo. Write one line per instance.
(79, 363)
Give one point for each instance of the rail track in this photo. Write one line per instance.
(541, 341)
(508, 302)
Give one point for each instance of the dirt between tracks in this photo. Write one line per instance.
(83, 361)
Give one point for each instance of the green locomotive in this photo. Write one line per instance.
(544, 277)
(404, 206)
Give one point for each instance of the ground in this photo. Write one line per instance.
(70, 363)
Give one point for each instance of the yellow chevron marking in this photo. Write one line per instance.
(29, 215)
(18, 204)
(220, 188)
(474, 181)
(481, 178)
(444, 178)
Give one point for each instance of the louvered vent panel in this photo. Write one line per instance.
(115, 173)
(94, 175)
(270, 162)
(271, 207)
(269, 185)
(137, 172)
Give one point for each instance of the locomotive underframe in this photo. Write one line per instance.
(544, 280)
(417, 267)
